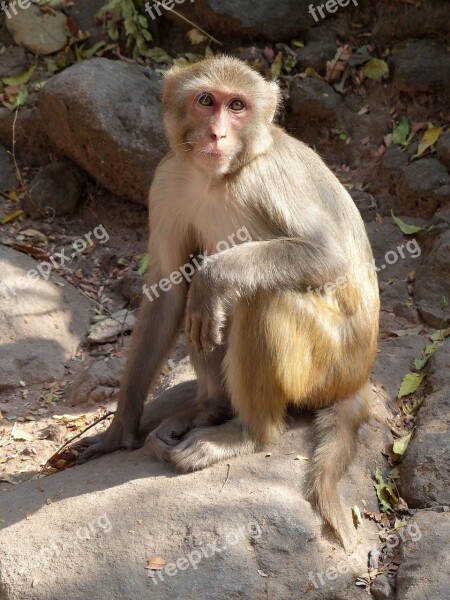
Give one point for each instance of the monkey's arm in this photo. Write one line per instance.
(157, 325)
(279, 264)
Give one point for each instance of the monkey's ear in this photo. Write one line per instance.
(273, 100)
(169, 82)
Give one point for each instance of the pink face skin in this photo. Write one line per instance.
(217, 119)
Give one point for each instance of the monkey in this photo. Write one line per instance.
(286, 317)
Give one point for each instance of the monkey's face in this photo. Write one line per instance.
(216, 125)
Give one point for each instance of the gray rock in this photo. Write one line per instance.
(423, 572)
(433, 282)
(383, 588)
(40, 323)
(366, 203)
(313, 100)
(7, 176)
(269, 543)
(423, 186)
(98, 383)
(443, 149)
(425, 469)
(38, 31)
(13, 61)
(266, 19)
(395, 359)
(84, 12)
(423, 66)
(107, 330)
(319, 48)
(56, 189)
(395, 298)
(31, 139)
(105, 116)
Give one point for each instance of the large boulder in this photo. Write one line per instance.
(105, 116)
(40, 323)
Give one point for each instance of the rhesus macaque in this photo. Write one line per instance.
(288, 317)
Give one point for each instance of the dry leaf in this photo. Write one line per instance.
(156, 563)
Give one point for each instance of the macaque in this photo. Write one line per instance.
(287, 316)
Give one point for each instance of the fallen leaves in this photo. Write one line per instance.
(156, 563)
(376, 69)
(410, 383)
(429, 138)
(404, 227)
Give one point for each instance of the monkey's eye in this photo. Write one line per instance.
(206, 100)
(236, 105)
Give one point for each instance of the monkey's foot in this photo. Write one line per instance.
(104, 443)
(167, 435)
(205, 446)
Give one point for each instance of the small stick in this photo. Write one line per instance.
(226, 479)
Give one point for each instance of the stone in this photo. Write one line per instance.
(13, 61)
(422, 187)
(432, 283)
(423, 66)
(40, 32)
(423, 571)
(107, 330)
(55, 190)
(443, 149)
(314, 100)
(41, 323)
(320, 47)
(105, 116)
(267, 20)
(425, 469)
(98, 383)
(383, 588)
(7, 176)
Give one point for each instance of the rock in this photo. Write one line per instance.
(7, 176)
(443, 149)
(433, 282)
(31, 139)
(41, 324)
(105, 116)
(55, 190)
(423, 186)
(275, 21)
(423, 66)
(98, 383)
(13, 61)
(263, 533)
(383, 588)
(320, 47)
(425, 469)
(394, 361)
(84, 12)
(423, 571)
(366, 203)
(121, 322)
(395, 298)
(40, 32)
(313, 100)
(131, 288)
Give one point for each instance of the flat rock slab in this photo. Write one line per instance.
(242, 531)
(41, 323)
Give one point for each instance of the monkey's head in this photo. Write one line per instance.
(218, 113)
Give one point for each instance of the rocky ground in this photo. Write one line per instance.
(80, 137)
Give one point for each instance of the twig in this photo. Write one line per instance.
(190, 22)
(79, 435)
(226, 479)
(13, 154)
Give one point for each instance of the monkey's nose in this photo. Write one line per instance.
(218, 135)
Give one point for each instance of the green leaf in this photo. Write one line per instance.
(429, 138)
(276, 66)
(19, 79)
(430, 349)
(310, 72)
(376, 69)
(385, 493)
(404, 227)
(195, 36)
(159, 55)
(143, 264)
(20, 100)
(90, 52)
(401, 132)
(401, 444)
(410, 384)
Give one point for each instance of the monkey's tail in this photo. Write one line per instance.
(336, 427)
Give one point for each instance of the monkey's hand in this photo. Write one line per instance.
(204, 314)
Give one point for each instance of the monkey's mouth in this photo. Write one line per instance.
(213, 153)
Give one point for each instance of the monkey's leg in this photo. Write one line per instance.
(255, 395)
(211, 407)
